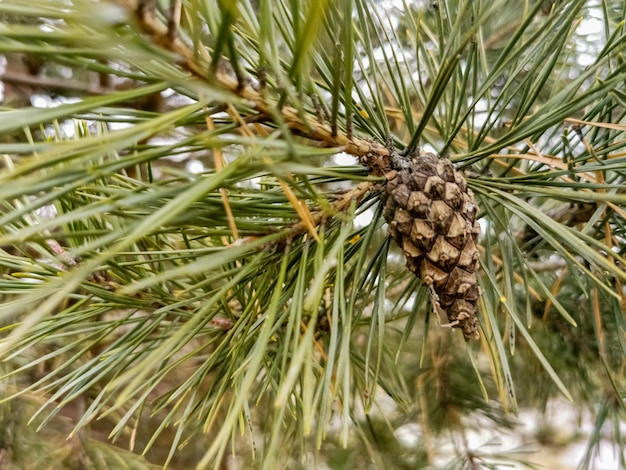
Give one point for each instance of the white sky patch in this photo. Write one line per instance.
(388, 50)
(484, 225)
(364, 218)
(116, 126)
(252, 183)
(480, 112)
(110, 13)
(590, 38)
(194, 166)
(591, 33)
(344, 159)
(429, 148)
(164, 141)
(45, 101)
(47, 212)
(591, 25)
(586, 59)
(409, 304)
(389, 4)
(177, 99)
(69, 128)
(65, 72)
(409, 435)
(46, 28)
(40, 101)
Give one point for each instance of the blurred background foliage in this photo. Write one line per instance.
(194, 268)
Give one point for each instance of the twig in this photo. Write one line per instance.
(353, 195)
(371, 154)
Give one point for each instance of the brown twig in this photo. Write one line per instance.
(341, 205)
(371, 154)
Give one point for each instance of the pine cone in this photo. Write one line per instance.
(432, 216)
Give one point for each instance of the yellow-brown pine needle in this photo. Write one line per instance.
(300, 207)
(554, 291)
(597, 319)
(518, 278)
(302, 210)
(218, 159)
(243, 126)
(606, 125)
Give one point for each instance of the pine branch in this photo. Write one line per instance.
(245, 296)
(370, 153)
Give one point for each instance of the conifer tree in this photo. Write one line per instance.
(308, 234)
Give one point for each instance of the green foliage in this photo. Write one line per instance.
(245, 307)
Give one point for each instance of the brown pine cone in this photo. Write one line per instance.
(431, 215)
